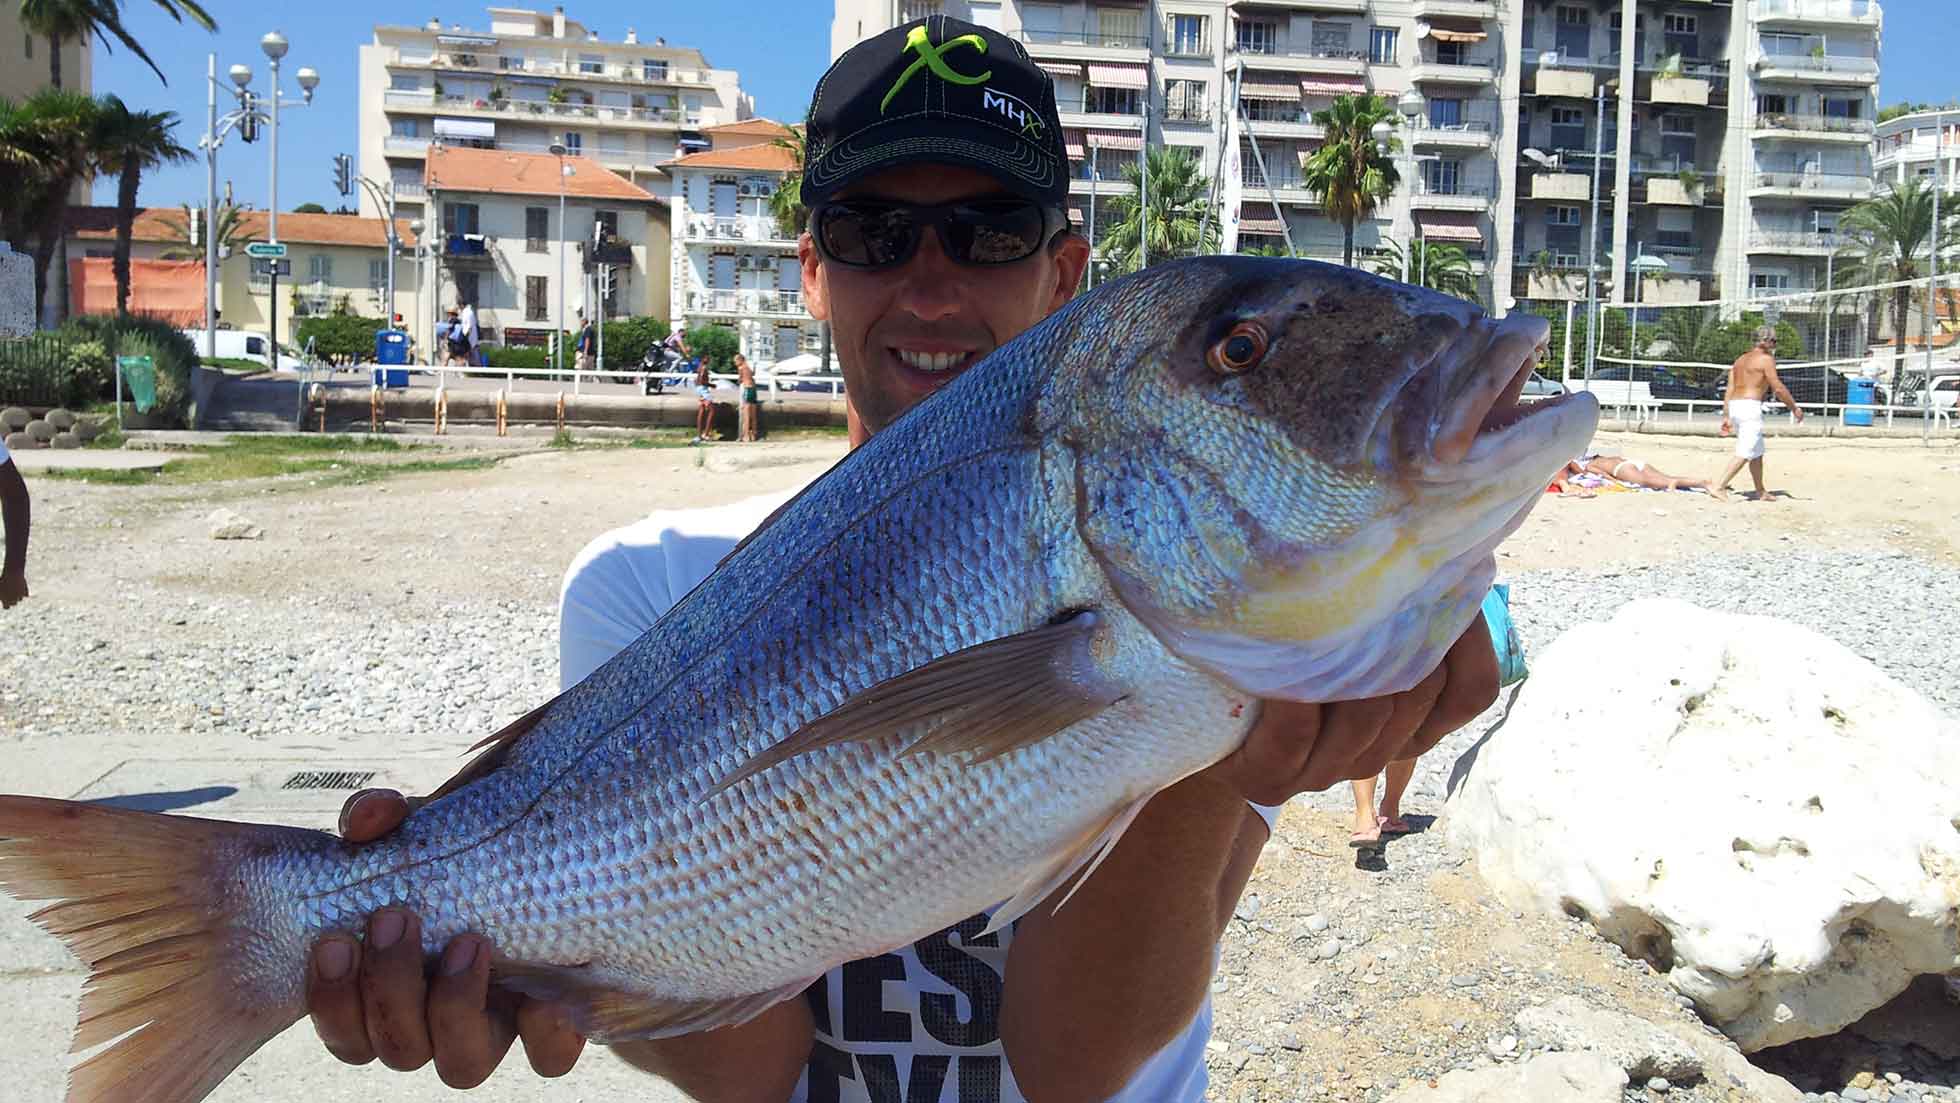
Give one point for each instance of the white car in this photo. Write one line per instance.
(239, 344)
(1946, 392)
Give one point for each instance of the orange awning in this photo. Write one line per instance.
(1103, 139)
(1441, 35)
(1119, 76)
(1441, 229)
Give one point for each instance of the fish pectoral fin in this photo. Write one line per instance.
(604, 1012)
(986, 700)
(500, 745)
(1083, 857)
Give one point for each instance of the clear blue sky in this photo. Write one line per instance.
(780, 48)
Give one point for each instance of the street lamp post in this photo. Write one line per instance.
(1932, 278)
(416, 226)
(1642, 264)
(558, 339)
(274, 46)
(1410, 106)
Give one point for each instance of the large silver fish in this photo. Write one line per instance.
(945, 676)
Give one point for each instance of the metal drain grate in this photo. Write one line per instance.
(329, 779)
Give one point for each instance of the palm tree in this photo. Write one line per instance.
(60, 20)
(230, 229)
(1174, 221)
(46, 149)
(127, 143)
(786, 202)
(1886, 234)
(1439, 267)
(1351, 175)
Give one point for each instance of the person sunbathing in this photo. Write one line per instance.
(1632, 473)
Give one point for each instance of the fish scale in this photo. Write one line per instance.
(1065, 577)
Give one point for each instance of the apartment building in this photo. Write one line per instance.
(498, 241)
(533, 79)
(1746, 123)
(1908, 145)
(24, 59)
(734, 266)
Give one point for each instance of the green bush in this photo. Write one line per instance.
(517, 356)
(89, 369)
(715, 344)
(628, 339)
(1723, 343)
(134, 335)
(339, 336)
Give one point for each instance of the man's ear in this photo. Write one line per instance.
(1070, 256)
(814, 302)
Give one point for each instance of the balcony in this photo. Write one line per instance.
(545, 110)
(1338, 61)
(1186, 114)
(1576, 83)
(1672, 191)
(1462, 70)
(1564, 186)
(1831, 68)
(613, 250)
(1090, 113)
(395, 146)
(1809, 185)
(1285, 188)
(1802, 243)
(1470, 134)
(1352, 7)
(469, 251)
(1272, 122)
(1465, 197)
(741, 227)
(409, 189)
(1555, 281)
(1087, 45)
(1101, 189)
(1856, 13)
(733, 303)
(1458, 9)
(1815, 128)
(1687, 91)
(491, 63)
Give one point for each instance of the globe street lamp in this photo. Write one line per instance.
(1410, 105)
(558, 150)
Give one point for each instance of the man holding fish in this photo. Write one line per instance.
(937, 187)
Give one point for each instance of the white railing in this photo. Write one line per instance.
(1832, 123)
(1847, 64)
(508, 63)
(1812, 181)
(736, 228)
(396, 144)
(1794, 239)
(745, 301)
(1861, 10)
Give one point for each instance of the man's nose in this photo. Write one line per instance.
(934, 285)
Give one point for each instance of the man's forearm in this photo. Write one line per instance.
(756, 1062)
(14, 514)
(1094, 990)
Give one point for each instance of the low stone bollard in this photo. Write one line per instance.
(87, 429)
(19, 441)
(62, 420)
(40, 430)
(13, 419)
(67, 440)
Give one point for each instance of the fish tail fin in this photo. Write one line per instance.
(161, 909)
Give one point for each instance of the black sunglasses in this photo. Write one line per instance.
(877, 233)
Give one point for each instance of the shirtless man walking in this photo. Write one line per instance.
(1751, 379)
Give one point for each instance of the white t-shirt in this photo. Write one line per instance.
(920, 1024)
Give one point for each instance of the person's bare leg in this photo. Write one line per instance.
(1400, 772)
(1756, 476)
(1735, 468)
(1365, 826)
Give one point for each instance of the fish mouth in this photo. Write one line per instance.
(1477, 420)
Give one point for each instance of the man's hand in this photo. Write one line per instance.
(1796, 414)
(375, 1000)
(13, 589)
(1727, 425)
(1295, 748)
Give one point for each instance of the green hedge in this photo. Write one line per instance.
(174, 354)
(715, 344)
(342, 336)
(628, 339)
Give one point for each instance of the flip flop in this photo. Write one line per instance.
(1396, 826)
(1365, 842)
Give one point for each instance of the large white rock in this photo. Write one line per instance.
(1553, 1078)
(1761, 814)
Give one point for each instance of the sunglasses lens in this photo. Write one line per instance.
(868, 235)
(994, 232)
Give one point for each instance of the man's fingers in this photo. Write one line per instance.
(372, 813)
(468, 1035)
(1402, 734)
(1348, 732)
(394, 993)
(1471, 686)
(333, 999)
(549, 1040)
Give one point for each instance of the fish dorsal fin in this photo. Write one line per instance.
(606, 1012)
(499, 747)
(1082, 856)
(988, 699)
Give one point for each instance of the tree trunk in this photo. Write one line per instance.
(1900, 296)
(54, 60)
(131, 179)
(1347, 244)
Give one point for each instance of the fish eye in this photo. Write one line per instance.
(1242, 347)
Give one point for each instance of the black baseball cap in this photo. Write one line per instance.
(936, 90)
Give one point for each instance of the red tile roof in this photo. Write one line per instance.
(164, 224)
(504, 172)
(765, 157)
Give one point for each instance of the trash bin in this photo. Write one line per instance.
(1860, 392)
(391, 348)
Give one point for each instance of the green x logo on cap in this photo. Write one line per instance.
(932, 57)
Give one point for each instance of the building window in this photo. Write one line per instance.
(1568, 128)
(917, 9)
(1574, 33)
(1189, 35)
(984, 14)
(1330, 39)
(1561, 216)
(1114, 101)
(1682, 34)
(378, 278)
(1381, 45)
(1260, 36)
(592, 64)
(1769, 283)
(319, 268)
(537, 289)
(1839, 107)
(1768, 104)
(1121, 27)
(607, 221)
(404, 82)
(460, 218)
(652, 69)
(1445, 113)
(574, 142)
(1184, 101)
(469, 290)
(1452, 53)
(1441, 177)
(537, 227)
(404, 128)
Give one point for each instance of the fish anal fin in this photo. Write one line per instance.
(604, 1012)
(1081, 857)
(986, 700)
(499, 747)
